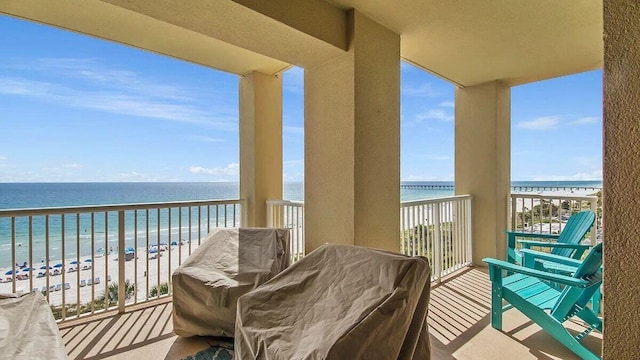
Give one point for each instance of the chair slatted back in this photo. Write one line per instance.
(574, 231)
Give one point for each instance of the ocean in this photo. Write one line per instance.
(42, 195)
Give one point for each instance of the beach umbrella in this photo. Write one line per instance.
(153, 250)
(87, 260)
(9, 272)
(74, 262)
(174, 243)
(129, 250)
(28, 269)
(58, 265)
(45, 267)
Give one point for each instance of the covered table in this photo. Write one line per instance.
(339, 302)
(228, 264)
(28, 329)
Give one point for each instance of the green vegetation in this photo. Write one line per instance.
(164, 290)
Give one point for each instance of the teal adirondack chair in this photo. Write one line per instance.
(532, 292)
(566, 244)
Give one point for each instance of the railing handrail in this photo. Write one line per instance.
(543, 196)
(286, 202)
(435, 200)
(112, 207)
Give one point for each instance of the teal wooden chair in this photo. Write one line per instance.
(532, 292)
(566, 244)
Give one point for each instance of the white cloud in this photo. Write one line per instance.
(435, 114)
(583, 176)
(424, 90)
(207, 139)
(298, 130)
(2, 157)
(292, 163)
(585, 120)
(541, 123)
(448, 104)
(232, 169)
(71, 166)
(117, 91)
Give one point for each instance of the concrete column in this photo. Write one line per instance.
(260, 144)
(621, 190)
(483, 162)
(352, 142)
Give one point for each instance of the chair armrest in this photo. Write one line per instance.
(532, 235)
(560, 279)
(528, 243)
(531, 256)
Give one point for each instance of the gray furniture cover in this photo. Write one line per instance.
(228, 264)
(28, 329)
(339, 302)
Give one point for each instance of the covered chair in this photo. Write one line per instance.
(567, 243)
(339, 302)
(228, 264)
(535, 292)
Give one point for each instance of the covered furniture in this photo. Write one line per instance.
(228, 264)
(339, 302)
(537, 295)
(28, 329)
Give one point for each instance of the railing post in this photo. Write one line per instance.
(270, 214)
(594, 228)
(121, 263)
(514, 213)
(469, 232)
(437, 246)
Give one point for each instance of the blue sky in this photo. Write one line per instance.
(74, 108)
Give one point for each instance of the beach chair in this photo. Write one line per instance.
(531, 292)
(96, 281)
(58, 287)
(83, 283)
(89, 282)
(67, 286)
(566, 244)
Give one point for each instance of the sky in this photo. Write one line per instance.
(76, 108)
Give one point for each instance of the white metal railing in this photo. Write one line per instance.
(91, 258)
(439, 229)
(288, 214)
(547, 213)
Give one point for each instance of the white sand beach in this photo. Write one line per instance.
(143, 272)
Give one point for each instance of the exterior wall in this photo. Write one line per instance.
(483, 163)
(621, 207)
(352, 142)
(260, 144)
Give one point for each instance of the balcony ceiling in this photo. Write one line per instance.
(467, 42)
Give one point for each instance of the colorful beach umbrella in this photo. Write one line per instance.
(9, 272)
(74, 262)
(58, 265)
(87, 260)
(43, 267)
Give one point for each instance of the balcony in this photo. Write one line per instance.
(128, 313)
(458, 319)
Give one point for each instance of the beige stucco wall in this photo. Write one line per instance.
(260, 144)
(621, 206)
(352, 142)
(483, 162)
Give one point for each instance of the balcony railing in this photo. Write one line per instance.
(289, 214)
(547, 213)
(439, 229)
(92, 258)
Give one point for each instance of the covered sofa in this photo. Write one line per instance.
(228, 264)
(28, 330)
(339, 302)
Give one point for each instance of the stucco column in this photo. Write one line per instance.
(352, 142)
(621, 187)
(483, 162)
(260, 144)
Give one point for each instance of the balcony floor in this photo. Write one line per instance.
(459, 323)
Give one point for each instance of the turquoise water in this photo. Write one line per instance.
(78, 233)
